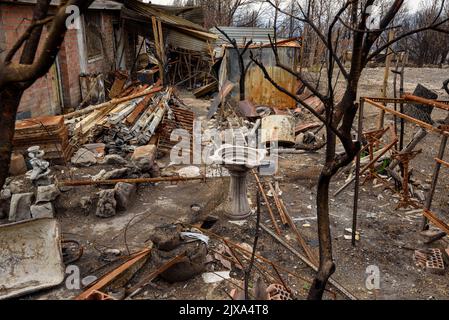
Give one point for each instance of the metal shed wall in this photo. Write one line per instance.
(257, 89)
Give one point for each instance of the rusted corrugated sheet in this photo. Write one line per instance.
(257, 89)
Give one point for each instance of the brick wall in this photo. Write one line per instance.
(37, 99)
(69, 69)
(41, 97)
(106, 62)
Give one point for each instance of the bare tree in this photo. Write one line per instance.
(429, 47)
(367, 43)
(17, 76)
(223, 12)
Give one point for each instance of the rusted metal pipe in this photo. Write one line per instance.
(408, 118)
(77, 183)
(428, 102)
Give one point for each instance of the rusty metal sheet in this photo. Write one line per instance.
(30, 257)
(182, 119)
(247, 109)
(302, 127)
(261, 91)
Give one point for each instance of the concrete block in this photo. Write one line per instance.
(47, 193)
(20, 206)
(44, 210)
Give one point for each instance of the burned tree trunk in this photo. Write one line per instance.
(11, 95)
(9, 102)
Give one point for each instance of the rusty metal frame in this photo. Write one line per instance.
(420, 123)
(405, 99)
(443, 131)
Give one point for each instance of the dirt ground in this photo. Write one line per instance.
(387, 236)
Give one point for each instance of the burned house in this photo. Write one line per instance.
(137, 169)
(96, 46)
(181, 47)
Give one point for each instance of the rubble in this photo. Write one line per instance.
(42, 210)
(144, 156)
(106, 205)
(5, 194)
(20, 206)
(40, 166)
(115, 174)
(86, 203)
(169, 244)
(83, 158)
(17, 186)
(17, 165)
(47, 193)
(124, 193)
(113, 159)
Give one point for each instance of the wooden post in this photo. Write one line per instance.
(386, 75)
(159, 44)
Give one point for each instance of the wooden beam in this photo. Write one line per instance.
(110, 103)
(267, 203)
(106, 279)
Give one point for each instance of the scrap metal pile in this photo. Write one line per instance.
(124, 125)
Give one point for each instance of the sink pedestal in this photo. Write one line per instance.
(237, 206)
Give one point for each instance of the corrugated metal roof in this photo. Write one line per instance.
(180, 40)
(193, 14)
(258, 35)
(178, 32)
(148, 10)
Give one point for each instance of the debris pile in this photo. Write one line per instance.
(124, 126)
